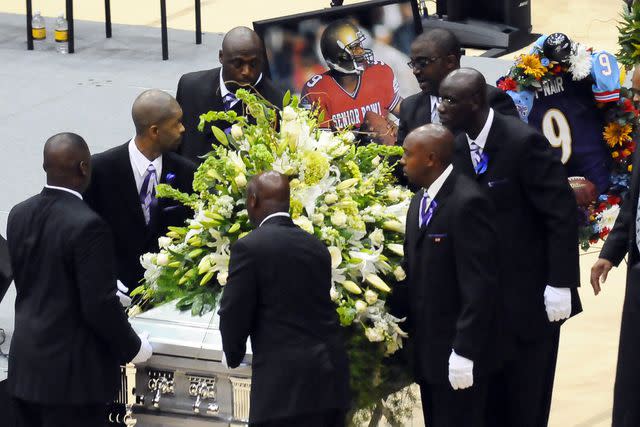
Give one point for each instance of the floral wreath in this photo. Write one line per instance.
(620, 132)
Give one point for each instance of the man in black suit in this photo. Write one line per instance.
(123, 182)
(300, 371)
(538, 242)
(435, 54)
(453, 281)
(5, 268)
(199, 92)
(71, 334)
(622, 240)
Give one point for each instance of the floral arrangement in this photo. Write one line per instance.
(342, 193)
(528, 74)
(629, 35)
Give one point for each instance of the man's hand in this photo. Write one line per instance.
(557, 302)
(125, 300)
(145, 351)
(460, 371)
(599, 273)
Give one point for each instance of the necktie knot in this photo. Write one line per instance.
(476, 154)
(228, 100)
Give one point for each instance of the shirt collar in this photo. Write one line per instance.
(435, 187)
(140, 162)
(223, 88)
(68, 190)
(273, 215)
(481, 139)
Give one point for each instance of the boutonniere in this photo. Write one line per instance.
(170, 177)
(481, 167)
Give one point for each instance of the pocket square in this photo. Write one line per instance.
(171, 208)
(497, 182)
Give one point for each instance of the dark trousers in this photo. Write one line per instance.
(29, 414)
(329, 418)
(626, 395)
(520, 393)
(443, 406)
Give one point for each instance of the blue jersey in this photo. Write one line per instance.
(566, 112)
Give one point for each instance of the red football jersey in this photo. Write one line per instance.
(377, 91)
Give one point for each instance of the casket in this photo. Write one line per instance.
(185, 382)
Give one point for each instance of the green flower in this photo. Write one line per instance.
(315, 167)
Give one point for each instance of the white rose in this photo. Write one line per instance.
(377, 237)
(394, 194)
(236, 132)
(240, 180)
(162, 258)
(304, 223)
(399, 273)
(349, 137)
(164, 242)
(339, 218)
(222, 277)
(361, 306)
(376, 161)
(289, 114)
(376, 210)
(374, 334)
(330, 198)
(336, 256)
(334, 294)
(317, 218)
(392, 346)
(370, 296)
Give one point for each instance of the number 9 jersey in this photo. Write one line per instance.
(568, 114)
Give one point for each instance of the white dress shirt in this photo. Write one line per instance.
(224, 91)
(274, 215)
(435, 103)
(434, 188)
(139, 164)
(481, 139)
(68, 190)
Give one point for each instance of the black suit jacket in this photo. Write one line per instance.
(5, 268)
(198, 93)
(278, 294)
(114, 196)
(71, 334)
(453, 280)
(537, 220)
(415, 110)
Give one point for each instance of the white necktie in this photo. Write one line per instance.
(148, 192)
(435, 117)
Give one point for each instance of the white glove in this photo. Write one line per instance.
(460, 371)
(121, 293)
(558, 303)
(145, 351)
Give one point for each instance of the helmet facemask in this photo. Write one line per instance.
(354, 56)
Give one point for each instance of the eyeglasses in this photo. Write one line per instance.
(422, 62)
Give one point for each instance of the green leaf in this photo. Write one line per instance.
(196, 308)
(287, 99)
(220, 135)
(346, 314)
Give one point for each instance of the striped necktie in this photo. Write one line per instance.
(427, 206)
(476, 153)
(148, 192)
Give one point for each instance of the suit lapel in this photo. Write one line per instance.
(128, 192)
(441, 200)
(463, 156)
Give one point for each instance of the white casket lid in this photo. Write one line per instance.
(178, 333)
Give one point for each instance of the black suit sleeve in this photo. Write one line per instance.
(475, 245)
(402, 125)
(238, 303)
(501, 102)
(95, 273)
(616, 245)
(545, 185)
(180, 99)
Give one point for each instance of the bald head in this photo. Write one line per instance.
(469, 80)
(267, 193)
(152, 107)
(242, 58)
(428, 150)
(241, 39)
(67, 161)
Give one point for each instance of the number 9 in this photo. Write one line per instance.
(555, 128)
(603, 59)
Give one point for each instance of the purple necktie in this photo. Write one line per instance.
(148, 192)
(476, 155)
(427, 207)
(228, 100)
